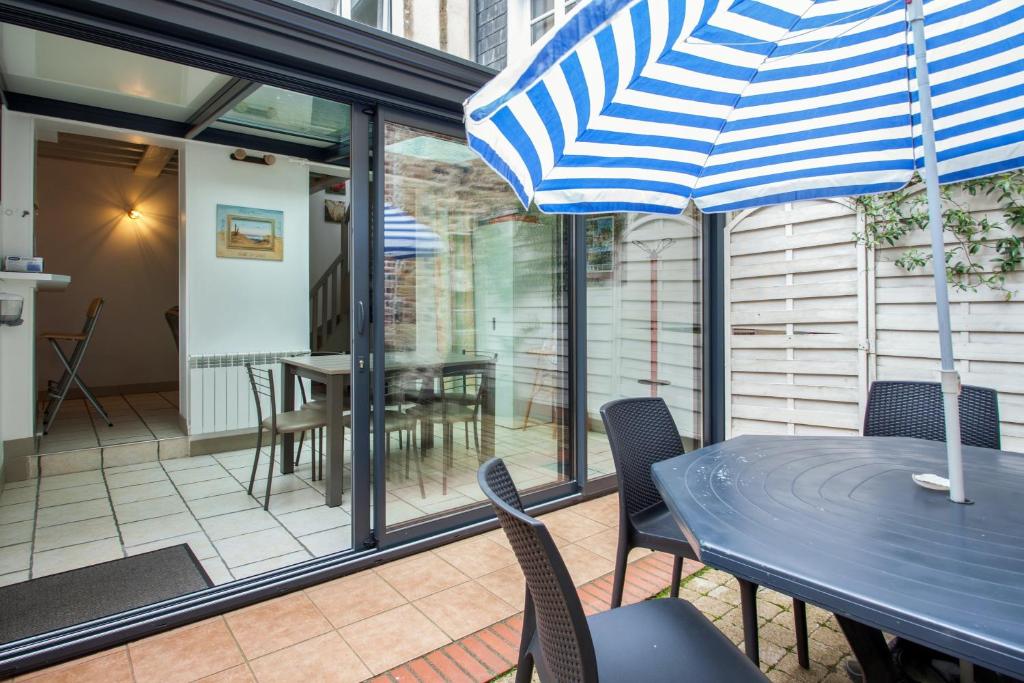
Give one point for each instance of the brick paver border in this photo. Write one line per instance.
(492, 651)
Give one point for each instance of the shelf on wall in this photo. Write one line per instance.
(42, 281)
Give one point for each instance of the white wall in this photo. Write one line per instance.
(17, 385)
(324, 237)
(242, 305)
(82, 231)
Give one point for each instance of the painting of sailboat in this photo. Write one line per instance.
(249, 233)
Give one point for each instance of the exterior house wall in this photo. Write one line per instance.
(813, 318)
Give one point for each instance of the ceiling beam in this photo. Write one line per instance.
(223, 101)
(153, 161)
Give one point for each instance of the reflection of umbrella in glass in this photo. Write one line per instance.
(405, 237)
(653, 251)
(643, 105)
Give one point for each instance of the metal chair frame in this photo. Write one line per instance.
(58, 391)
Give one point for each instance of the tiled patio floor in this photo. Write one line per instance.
(65, 521)
(448, 614)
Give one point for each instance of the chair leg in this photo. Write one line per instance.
(619, 579)
(256, 460)
(677, 576)
(748, 607)
(298, 451)
(800, 626)
(270, 472)
(448, 434)
(417, 457)
(465, 428)
(524, 665)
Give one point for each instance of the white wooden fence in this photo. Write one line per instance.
(813, 318)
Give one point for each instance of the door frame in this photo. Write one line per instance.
(432, 526)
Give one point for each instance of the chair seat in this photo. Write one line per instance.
(64, 336)
(665, 640)
(656, 529)
(436, 412)
(300, 420)
(394, 420)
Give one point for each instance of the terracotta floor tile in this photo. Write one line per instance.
(236, 674)
(508, 584)
(585, 565)
(396, 636)
(109, 666)
(185, 654)
(600, 511)
(420, 576)
(324, 658)
(477, 556)
(570, 525)
(464, 609)
(352, 598)
(276, 624)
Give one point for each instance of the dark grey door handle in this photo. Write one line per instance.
(360, 317)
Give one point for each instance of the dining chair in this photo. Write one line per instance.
(57, 391)
(642, 432)
(450, 408)
(914, 409)
(304, 419)
(651, 641)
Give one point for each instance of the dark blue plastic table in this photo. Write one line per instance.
(837, 522)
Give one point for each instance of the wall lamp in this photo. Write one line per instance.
(134, 214)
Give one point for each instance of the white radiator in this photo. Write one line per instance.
(220, 396)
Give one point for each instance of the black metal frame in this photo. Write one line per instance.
(287, 45)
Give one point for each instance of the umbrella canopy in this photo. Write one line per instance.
(645, 105)
(405, 237)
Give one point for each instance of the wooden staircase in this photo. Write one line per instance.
(328, 305)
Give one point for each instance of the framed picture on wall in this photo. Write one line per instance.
(600, 246)
(335, 211)
(244, 232)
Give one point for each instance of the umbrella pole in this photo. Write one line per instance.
(950, 377)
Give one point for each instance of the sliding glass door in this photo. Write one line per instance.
(471, 318)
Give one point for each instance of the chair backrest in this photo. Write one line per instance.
(641, 432)
(462, 382)
(262, 382)
(915, 409)
(565, 641)
(95, 306)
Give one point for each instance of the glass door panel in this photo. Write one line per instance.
(643, 321)
(475, 326)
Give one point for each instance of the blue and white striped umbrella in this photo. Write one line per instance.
(643, 105)
(405, 237)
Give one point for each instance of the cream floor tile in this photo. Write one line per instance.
(256, 547)
(17, 513)
(63, 481)
(269, 564)
(73, 512)
(148, 509)
(132, 494)
(14, 577)
(222, 504)
(75, 556)
(72, 494)
(312, 520)
(217, 571)
(327, 542)
(187, 463)
(147, 475)
(158, 529)
(198, 542)
(281, 483)
(74, 533)
(290, 501)
(238, 523)
(18, 532)
(15, 558)
(25, 494)
(194, 474)
(205, 489)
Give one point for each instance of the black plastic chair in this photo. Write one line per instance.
(652, 641)
(641, 432)
(915, 409)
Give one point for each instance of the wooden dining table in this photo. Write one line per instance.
(838, 522)
(335, 371)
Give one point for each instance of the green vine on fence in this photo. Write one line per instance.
(983, 251)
